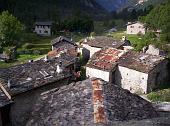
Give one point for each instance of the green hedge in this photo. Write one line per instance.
(31, 46)
(36, 51)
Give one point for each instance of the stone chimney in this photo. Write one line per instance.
(46, 58)
(9, 84)
(59, 70)
(123, 38)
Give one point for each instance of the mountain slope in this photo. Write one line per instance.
(31, 10)
(114, 5)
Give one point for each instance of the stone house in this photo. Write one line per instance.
(103, 64)
(25, 83)
(62, 44)
(43, 28)
(141, 72)
(92, 102)
(137, 72)
(93, 44)
(135, 28)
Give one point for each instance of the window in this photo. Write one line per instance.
(131, 26)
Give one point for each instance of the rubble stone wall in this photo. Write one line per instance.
(132, 80)
(91, 49)
(25, 102)
(158, 76)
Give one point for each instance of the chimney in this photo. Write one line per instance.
(59, 70)
(46, 58)
(61, 63)
(85, 40)
(9, 84)
(123, 38)
(30, 61)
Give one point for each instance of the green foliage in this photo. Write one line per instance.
(20, 60)
(10, 29)
(80, 23)
(162, 95)
(34, 51)
(159, 18)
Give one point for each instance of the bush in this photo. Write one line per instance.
(162, 95)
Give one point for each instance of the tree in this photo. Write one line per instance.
(10, 30)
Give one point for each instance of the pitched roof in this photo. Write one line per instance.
(48, 23)
(90, 102)
(131, 23)
(140, 61)
(31, 75)
(105, 59)
(103, 41)
(62, 39)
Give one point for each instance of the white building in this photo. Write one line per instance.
(43, 28)
(135, 28)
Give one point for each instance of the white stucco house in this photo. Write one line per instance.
(94, 44)
(135, 28)
(43, 28)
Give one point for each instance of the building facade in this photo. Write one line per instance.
(141, 72)
(43, 28)
(135, 28)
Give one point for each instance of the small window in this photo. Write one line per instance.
(39, 31)
(131, 26)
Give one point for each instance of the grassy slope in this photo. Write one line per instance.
(162, 95)
(20, 60)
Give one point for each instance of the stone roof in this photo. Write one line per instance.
(24, 77)
(48, 23)
(103, 41)
(140, 61)
(105, 59)
(4, 100)
(135, 22)
(90, 102)
(62, 39)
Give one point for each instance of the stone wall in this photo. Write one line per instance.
(91, 72)
(91, 49)
(25, 102)
(132, 80)
(158, 76)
